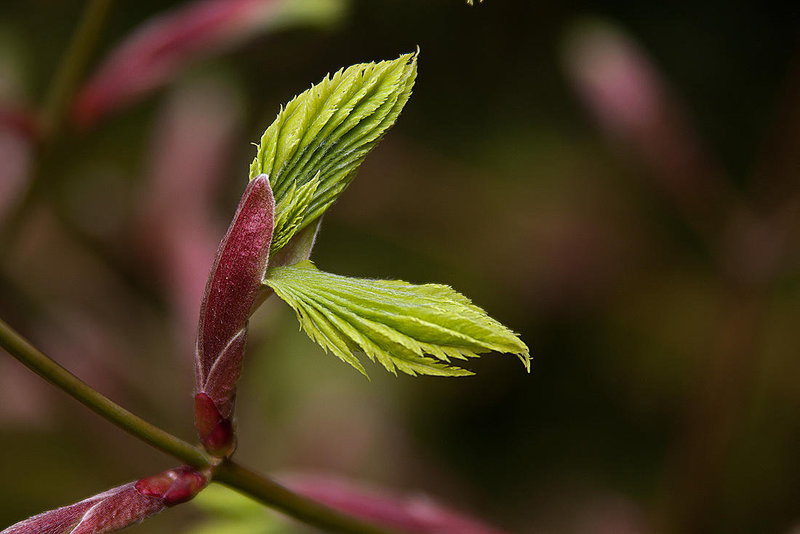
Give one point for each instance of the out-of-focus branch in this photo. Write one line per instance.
(56, 104)
(165, 45)
(71, 70)
(634, 106)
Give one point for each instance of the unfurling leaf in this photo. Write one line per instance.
(233, 286)
(417, 329)
(117, 508)
(292, 210)
(313, 149)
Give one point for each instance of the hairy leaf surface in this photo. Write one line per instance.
(417, 329)
(313, 149)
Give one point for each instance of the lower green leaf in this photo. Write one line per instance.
(417, 329)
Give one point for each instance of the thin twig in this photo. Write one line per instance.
(229, 473)
(273, 494)
(42, 365)
(60, 93)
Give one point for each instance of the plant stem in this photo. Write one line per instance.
(60, 92)
(70, 70)
(51, 371)
(273, 494)
(229, 473)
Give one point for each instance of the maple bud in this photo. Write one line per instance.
(117, 508)
(233, 286)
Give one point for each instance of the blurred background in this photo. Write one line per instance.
(617, 181)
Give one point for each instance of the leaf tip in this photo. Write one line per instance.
(526, 359)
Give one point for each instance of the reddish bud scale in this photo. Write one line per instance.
(233, 285)
(215, 430)
(173, 487)
(119, 507)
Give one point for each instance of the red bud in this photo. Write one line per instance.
(175, 486)
(231, 291)
(119, 507)
(215, 430)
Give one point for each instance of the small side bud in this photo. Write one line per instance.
(233, 286)
(119, 507)
(215, 431)
(175, 486)
(113, 510)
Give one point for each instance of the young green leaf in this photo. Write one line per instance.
(313, 149)
(417, 329)
(291, 211)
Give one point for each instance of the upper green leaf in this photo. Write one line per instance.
(317, 142)
(414, 328)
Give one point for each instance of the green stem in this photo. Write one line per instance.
(51, 371)
(273, 494)
(229, 473)
(73, 65)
